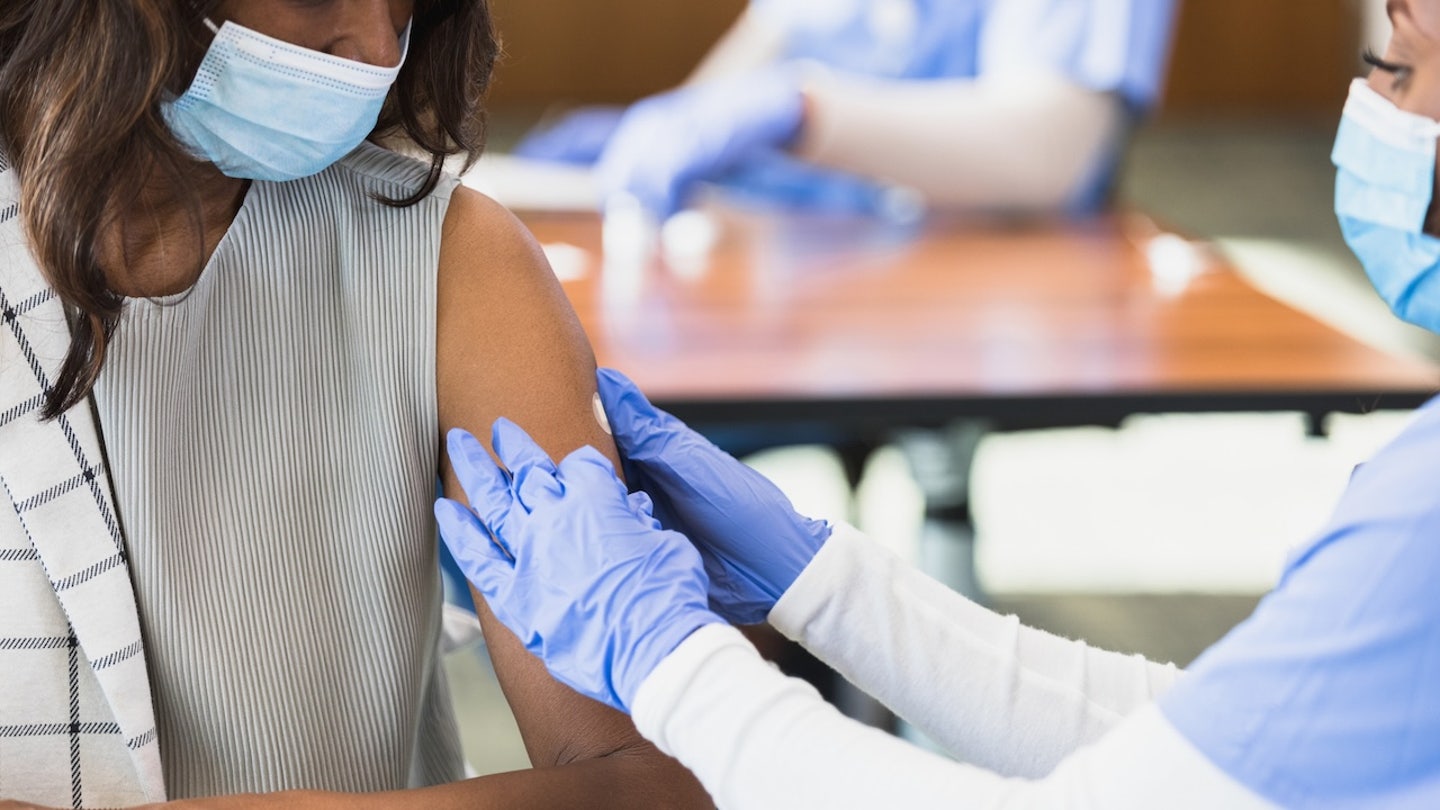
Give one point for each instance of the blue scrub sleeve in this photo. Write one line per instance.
(1330, 694)
(1120, 46)
(885, 39)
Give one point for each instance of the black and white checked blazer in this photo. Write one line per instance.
(77, 725)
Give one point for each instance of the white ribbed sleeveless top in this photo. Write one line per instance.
(273, 438)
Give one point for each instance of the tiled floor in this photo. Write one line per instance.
(1158, 537)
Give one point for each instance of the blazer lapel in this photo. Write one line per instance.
(54, 474)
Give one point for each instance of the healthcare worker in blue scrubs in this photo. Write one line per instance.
(861, 105)
(1328, 696)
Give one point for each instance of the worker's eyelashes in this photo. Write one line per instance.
(1400, 72)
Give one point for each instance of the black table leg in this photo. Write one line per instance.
(941, 462)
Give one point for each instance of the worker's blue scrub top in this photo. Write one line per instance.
(1329, 695)
(1118, 46)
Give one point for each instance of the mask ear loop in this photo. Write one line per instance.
(214, 29)
(405, 42)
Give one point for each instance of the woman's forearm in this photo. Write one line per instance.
(993, 692)
(630, 779)
(620, 781)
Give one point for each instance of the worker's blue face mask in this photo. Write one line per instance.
(264, 109)
(1385, 158)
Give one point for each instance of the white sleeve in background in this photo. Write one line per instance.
(757, 739)
(1023, 141)
(993, 692)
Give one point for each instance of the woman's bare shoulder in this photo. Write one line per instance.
(482, 242)
(508, 343)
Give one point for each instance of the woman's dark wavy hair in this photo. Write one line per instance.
(80, 86)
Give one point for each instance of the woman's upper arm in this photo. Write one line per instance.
(508, 344)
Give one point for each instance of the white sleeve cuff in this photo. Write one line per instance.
(833, 568)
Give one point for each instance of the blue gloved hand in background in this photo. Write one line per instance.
(580, 137)
(667, 143)
(752, 540)
(582, 573)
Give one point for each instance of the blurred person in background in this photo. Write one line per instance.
(879, 105)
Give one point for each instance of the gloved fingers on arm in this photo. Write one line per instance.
(470, 543)
(752, 540)
(486, 486)
(533, 475)
(482, 559)
(627, 428)
(670, 454)
(642, 431)
(590, 469)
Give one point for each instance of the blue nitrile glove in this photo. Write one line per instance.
(583, 574)
(666, 143)
(580, 137)
(753, 541)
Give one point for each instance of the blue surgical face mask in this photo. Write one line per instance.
(264, 109)
(1385, 159)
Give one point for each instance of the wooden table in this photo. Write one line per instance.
(861, 324)
(861, 328)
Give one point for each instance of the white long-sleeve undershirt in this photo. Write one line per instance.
(1037, 721)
